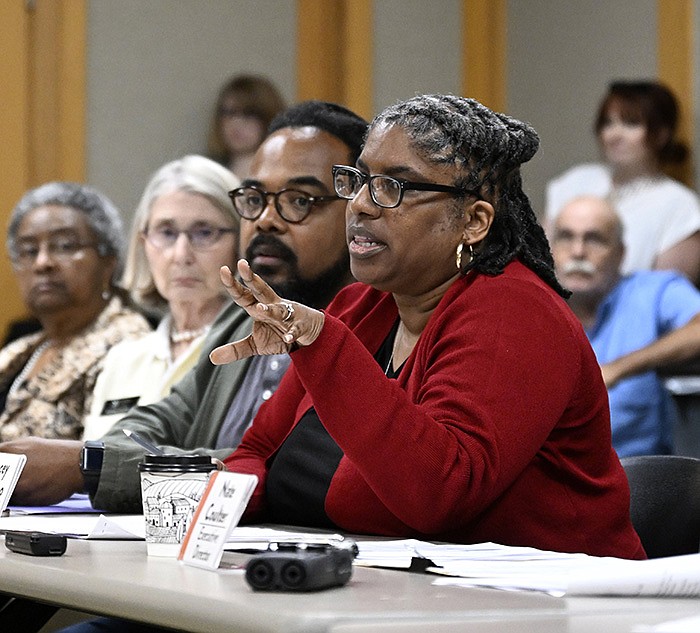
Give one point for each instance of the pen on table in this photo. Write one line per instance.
(145, 444)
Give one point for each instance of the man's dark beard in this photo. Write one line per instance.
(315, 292)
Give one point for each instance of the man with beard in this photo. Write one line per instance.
(636, 323)
(293, 234)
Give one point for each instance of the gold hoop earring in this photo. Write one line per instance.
(458, 258)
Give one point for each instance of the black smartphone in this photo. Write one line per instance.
(35, 543)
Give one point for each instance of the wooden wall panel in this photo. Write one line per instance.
(484, 28)
(14, 132)
(42, 71)
(334, 52)
(675, 47)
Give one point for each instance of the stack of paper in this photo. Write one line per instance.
(258, 538)
(527, 568)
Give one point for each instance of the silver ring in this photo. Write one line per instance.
(290, 312)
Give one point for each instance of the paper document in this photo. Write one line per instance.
(684, 625)
(88, 526)
(79, 502)
(579, 575)
(526, 568)
(392, 554)
(258, 538)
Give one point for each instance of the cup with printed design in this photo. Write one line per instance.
(171, 487)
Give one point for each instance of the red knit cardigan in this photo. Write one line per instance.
(497, 428)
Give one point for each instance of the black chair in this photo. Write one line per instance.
(665, 503)
(682, 381)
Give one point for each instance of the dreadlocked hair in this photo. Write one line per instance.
(487, 148)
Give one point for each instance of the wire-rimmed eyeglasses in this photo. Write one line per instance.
(61, 249)
(201, 236)
(291, 204)
(385, 191)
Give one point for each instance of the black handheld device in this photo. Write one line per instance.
(35, 543)
(295, 567)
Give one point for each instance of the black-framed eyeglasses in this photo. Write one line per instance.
(292, 205)
(201, 236)
(62, 249)
(385, 191)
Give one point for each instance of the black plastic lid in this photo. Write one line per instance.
(201, 463)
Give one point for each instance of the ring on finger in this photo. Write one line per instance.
(290, 311)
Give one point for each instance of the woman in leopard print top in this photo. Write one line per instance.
(65, 241)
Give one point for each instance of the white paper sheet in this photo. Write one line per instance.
(577, 575)
(258, 538)
(77, 503)
(89, 526)
(527, 568)
(684, 625)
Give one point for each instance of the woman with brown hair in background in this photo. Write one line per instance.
(636, 130)
(244, 108)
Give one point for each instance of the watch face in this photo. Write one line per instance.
(92, 458)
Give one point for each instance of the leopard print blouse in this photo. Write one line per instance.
(52, 403)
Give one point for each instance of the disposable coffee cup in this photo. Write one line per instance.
(171, 487)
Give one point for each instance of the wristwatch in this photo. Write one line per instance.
(91, 457)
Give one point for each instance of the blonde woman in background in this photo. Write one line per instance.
(184, 230)
(245, 106)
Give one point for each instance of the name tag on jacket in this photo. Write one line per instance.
(119, 406)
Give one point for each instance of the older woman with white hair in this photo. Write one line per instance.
(183, 231)
(65, 241)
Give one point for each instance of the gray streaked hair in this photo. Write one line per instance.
(487, 148)
(192, 174)
(452, 130)
(101, 214)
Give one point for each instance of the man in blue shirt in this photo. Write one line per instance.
(636, 323)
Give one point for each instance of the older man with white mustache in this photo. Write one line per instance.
(636, 323)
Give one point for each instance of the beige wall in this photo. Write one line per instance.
(154, 69)
(561, 56)
(417, 48)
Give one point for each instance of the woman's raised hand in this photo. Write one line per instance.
(278, 324)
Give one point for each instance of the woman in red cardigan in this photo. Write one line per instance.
(450, 395)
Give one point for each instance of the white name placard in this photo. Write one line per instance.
(220, 508)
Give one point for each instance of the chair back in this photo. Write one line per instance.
(665, 503)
